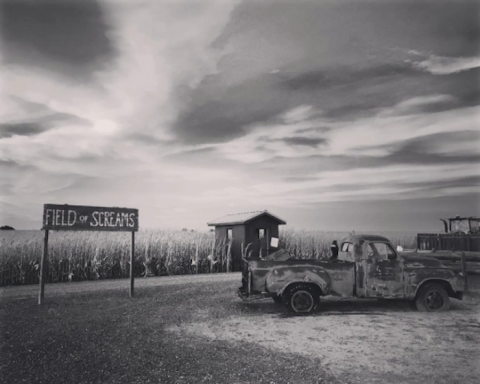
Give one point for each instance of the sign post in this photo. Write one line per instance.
(87, 218)
(132, 260)
(42, 268)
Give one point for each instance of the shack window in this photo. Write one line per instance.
(347, 247)
(379, 251)
(229, 233)
(261, 233)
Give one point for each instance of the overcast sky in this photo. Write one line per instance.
(331, 114)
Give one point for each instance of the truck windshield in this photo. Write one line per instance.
(379, 251)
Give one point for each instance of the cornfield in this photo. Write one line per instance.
(79, 256)
(311, 244)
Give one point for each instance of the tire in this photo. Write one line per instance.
(432, 297)
(301, 298)
(277, 299)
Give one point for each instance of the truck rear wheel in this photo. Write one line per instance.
(432, 297)
(301, 298)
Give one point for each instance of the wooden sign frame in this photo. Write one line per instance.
(87, 218)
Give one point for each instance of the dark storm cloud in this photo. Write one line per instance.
(415, 152)
(423, 150)
(39, 124)
(21, 129)
(220, 115)
(347, 59)
(349, 93)
(324, 79)
(40, 33)
(464, 86)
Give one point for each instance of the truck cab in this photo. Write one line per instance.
(368, 266)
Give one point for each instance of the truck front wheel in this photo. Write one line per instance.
(432, 297)
(301, 298)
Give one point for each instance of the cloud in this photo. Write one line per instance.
(160, 48)
(415, 105)
(458, 144)
(216, 114)
(459, 182)
(303, 112)
(163, 47)
(205, 105)
(23, 118)
(371, 136)
(68, 37)
(21, 129)
(442, 65)
(367, 137)
(341, 76)
(263, 142)
(396, 182)
(304, 141)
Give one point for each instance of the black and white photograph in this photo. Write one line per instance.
(240, 191)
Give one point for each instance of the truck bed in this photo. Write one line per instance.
(342, 273)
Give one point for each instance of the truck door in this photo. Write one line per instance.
(383, 267)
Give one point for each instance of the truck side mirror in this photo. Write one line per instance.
(392, 256)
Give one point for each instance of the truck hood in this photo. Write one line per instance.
(417, 261)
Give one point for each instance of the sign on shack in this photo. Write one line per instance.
(86, 218)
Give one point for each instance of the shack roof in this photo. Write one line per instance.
(243, 218)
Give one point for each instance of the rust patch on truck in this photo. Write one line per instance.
(279, 278)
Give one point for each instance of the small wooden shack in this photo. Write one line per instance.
(255, 228)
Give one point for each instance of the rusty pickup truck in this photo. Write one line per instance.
(367, 266)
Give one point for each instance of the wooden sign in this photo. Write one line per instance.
(85, 218)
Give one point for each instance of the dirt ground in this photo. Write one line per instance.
(207, 333)
(365, 340)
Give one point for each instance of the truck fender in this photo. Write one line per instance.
(446, 283)
(278, 279)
